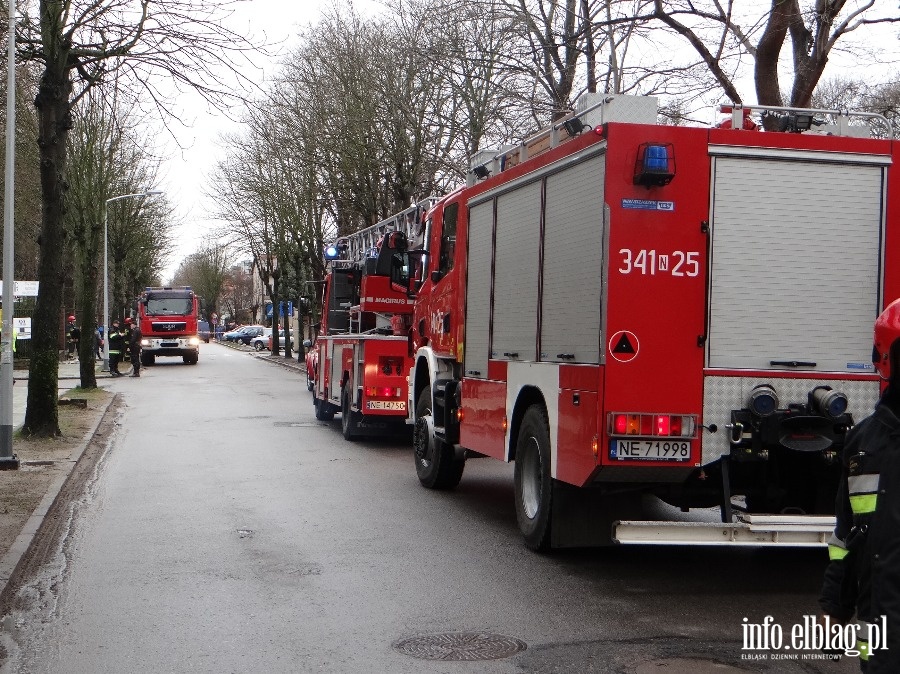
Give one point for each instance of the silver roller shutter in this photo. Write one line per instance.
(573, 257)
(478, 290)
(795, 263)
(516, 274)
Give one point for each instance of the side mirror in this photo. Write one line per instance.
(436, 276)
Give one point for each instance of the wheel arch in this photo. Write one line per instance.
(528, 396)
(428, 368)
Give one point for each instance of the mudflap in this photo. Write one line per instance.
(383, 427)
(583, 517)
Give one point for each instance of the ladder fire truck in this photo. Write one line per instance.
(667, 329)
(359, 363)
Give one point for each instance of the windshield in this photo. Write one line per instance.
(169, 306)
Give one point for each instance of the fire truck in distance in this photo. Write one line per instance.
(652, 319)
(359, 363)
(168, 318)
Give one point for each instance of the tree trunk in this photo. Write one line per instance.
(54, 122)
(90, 280)
(768, 92)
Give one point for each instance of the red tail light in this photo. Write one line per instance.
(382, 392)
(652, 425)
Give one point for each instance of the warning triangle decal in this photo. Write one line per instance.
(624, 345)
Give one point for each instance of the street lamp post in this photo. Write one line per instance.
(106, 320)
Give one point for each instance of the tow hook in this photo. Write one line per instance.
(737, 432)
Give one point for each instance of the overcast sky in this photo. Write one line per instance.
(186, 168)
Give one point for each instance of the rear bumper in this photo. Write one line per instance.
(171, 346)
(750, 530)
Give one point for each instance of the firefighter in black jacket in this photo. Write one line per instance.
(863, 576)
(116, 346)
(133, 334)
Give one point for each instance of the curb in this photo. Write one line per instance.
(281, 361)
(23, 541)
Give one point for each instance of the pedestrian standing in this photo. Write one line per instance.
(134, 346)
(73, 339)
(863, 576)
(98, 342)
(116, 346)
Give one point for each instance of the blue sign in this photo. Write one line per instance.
(648, 205)
(281, 309)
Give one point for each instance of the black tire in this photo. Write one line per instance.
(259, 346)
(349, 418)
(436, 462)
(533, 483)
(323, 410)
(147, 359)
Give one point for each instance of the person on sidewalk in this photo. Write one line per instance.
(116, 346)
(73, 338)
(134, 345)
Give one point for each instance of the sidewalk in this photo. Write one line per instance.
(69, 378)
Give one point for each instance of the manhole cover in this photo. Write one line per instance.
(469, 646)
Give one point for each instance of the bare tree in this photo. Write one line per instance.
(205, 271)
(724, 35)
(79, 44)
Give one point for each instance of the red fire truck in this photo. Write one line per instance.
(359, 363)
(652, 319)
(168, 319)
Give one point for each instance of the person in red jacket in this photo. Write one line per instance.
(863, 575)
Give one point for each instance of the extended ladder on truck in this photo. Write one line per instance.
(359, 364)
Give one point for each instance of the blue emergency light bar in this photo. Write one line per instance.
(655, 165)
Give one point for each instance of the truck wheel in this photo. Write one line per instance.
(533, 484)
(323, 411)
(190, 360)
(147, 359)
(349, 419)
(436, 462)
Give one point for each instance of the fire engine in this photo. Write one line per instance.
(168, 318)
(650, 319)
(359, 363)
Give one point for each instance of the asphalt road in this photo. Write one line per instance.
(226, 530)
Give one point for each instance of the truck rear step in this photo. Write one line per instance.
(749, 530)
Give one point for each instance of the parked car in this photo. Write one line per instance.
(260, 342)
(280, 340)
(203, 330)
(243, 334)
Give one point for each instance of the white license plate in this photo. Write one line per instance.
(650, 450)
(386, 405)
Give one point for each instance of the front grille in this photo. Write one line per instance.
(169, 327)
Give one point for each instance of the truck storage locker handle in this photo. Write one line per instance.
(792, 363)
(514, 354)
(566, 356)
(475, 372)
